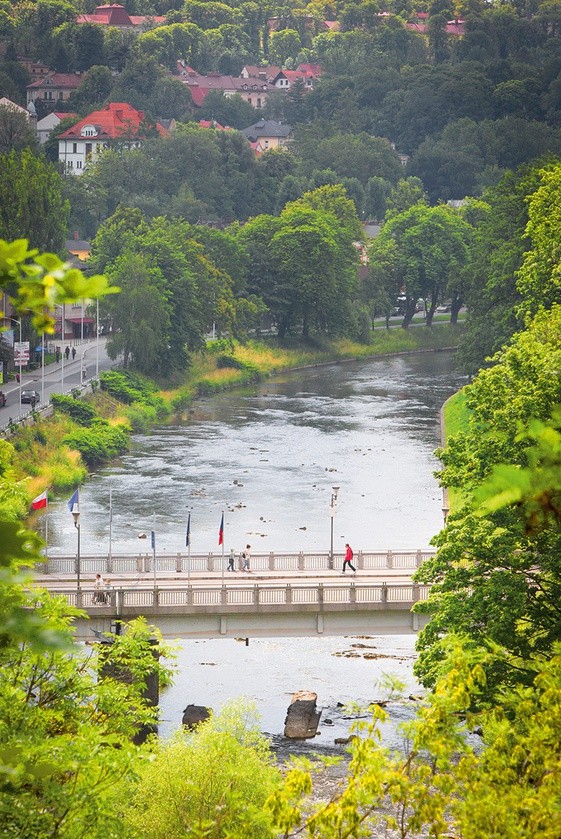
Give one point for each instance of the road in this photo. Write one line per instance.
(56, 378)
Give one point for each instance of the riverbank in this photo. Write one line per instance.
(59, 452)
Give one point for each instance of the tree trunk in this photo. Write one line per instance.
(455, 309)
(409, 312)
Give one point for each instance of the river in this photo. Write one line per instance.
(269, 456)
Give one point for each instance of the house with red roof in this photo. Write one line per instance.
(287, 78)
(47, 125)
(117, 122)
(252, 90)
(54, 87)
(113, 14)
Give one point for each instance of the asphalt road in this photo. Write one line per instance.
(57, 378)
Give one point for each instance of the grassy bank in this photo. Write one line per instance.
(455, 420)
(58, 452)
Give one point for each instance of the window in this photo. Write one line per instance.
(78, 164)
(74, 148)
(259, 103)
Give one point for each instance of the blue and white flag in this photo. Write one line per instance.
(188, 531)
(74, 500)
(153, 539)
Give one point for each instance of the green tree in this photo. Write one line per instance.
(15, 132)
(496, 578)
(173, 795)
(141, 314)
(426, 246)
(32, 205)
(94, 90)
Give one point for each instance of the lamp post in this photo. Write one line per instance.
(76, 517)
(15, 320)
(332, 513)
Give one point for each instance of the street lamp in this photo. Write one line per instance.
(332, 513)
(76, 517)
(15, 320)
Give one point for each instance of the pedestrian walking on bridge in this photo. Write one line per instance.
(348, 559)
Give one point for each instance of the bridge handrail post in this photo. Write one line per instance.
(416, 592)
(360, 561)
(178, 562)
(79, 598)
(155, 597)
(389, 559)
(301, 561)
(271, 561)
(189, 595)
(320, 595)
(223, 596)
(109, 565)
(210, 562)
(288, 595)
(384, 593)
(419, 558)
(256, 595)
(119, 597)
(352, 593)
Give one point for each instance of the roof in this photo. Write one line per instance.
(211, 123)
(200, 86)
(68, 81)
(267, 128)
(294, 75)
(13, 106)
(115, 120)
(113, 14)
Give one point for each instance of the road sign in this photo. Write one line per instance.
(21, 352)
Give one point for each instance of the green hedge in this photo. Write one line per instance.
(81, 412)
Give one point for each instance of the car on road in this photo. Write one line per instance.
(3, 399)
(30, 396)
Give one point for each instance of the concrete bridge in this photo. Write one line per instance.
(270, 601)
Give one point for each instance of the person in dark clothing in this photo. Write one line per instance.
(67, 352)
(348, 559)
(73, 353)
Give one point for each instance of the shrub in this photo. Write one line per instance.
(81, 412)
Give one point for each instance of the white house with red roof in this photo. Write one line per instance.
(306, 73)
(54, 87)
(113, 14)
(90, 137)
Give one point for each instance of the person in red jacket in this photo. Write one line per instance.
(348, 558)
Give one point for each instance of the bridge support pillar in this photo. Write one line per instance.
(223, 625)
(415, 621)
(319, 624)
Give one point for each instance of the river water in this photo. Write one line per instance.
(269, 456)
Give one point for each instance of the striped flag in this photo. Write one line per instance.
(40, 502)
(188, 531)
(221, 531)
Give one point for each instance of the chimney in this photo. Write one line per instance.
(76, 235)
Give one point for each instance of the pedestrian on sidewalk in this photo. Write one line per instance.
(73, 353)
(348, 559)
(57, 354)
(231, 561)
(67, 352)
(246, 556)
(99, 593)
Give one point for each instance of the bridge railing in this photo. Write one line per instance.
(133, 564)
(193, 598)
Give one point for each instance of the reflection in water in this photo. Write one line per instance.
(269, 456)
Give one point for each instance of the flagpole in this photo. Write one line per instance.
(189, 547)
(154, 550)
(223, 541)
(110, 523)
(47, 532)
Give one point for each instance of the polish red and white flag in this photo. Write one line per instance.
(40, 502)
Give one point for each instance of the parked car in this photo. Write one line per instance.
(30, 396)
(441, 310)
(3, 399)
